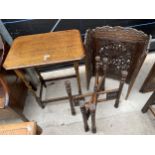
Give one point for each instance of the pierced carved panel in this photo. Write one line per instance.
(121, 56)
(122, 46)
(118, 55)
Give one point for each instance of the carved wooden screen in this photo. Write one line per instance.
(89, 56)
(149, 83)
(126, 49)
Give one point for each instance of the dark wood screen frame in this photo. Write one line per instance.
(145, 87)
(90, 54)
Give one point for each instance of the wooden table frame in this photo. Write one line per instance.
(38, 50)
(89, 108)
(39, 100)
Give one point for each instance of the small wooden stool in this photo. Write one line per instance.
(89, 108)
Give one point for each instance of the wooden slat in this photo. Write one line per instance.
(152, 110)
(24, 128)
(149, 83)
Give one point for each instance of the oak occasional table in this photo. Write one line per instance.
(45, 49)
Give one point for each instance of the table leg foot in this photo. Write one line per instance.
(84, 116)
(42, 105)
(76, 66)
(93, 119)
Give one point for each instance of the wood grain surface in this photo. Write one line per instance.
(23, 128)
(45, 49)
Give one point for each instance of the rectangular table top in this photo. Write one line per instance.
(45, 49)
